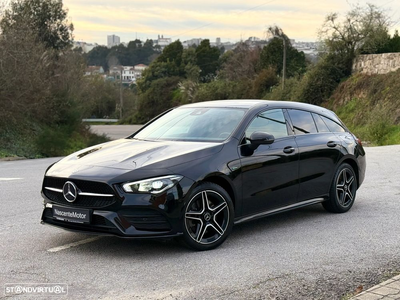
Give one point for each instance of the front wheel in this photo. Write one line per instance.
(208, 217)
(343, 190)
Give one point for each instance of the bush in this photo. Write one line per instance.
(156, 99)
(369, 106)
(264, 81)
(224, 89)
(63, 140)
(289, 93)
(318, 83)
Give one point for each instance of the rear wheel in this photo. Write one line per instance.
(208, 217)
(343, 190)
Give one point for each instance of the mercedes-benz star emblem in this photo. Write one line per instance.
(70, 191)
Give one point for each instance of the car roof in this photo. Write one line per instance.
(242, 103)
(258, 103)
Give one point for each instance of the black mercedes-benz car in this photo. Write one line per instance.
(195, 170)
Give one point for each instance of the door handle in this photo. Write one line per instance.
(332, 144)
(288, 149)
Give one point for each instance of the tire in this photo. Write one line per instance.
(208, 217)
(343, 190)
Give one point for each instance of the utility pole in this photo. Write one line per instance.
(284, 63)
(277, 32)
(284, 60)
(121, 101)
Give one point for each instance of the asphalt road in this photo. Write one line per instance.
(303, 254)
(115, 131)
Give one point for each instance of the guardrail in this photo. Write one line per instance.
(100, 120)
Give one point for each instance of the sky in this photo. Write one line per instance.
(231, 20)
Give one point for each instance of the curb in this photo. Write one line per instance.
(12, 158)
(389, 289)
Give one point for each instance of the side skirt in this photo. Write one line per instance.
(279, 210)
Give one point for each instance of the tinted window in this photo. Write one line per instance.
(271, 121)
(193, 124)
(333, 126)
(320, 124)
(302, 121)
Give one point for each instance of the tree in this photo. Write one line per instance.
(98, 57)
(240, 64)
(168, 64)
(191, 69)
(207, 60)
(172, 53)
(46, 18)
(147, 53)
(272, 57)
(118, 55)
(156, 99)
(363, 29)
(265, 80)
(320, 81)
(392, 44)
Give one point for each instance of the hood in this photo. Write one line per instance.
(125, 155)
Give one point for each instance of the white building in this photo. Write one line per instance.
(86, 47)
(140, 67)
(163, 42)
(94, 70)
(129, 74)
(189, 43)
(113, 40)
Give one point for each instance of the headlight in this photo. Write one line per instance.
(152, 185)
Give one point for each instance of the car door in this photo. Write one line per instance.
(319, 151)
(270, 173)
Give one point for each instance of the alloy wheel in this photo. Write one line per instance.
(345, 187)
(207, 217)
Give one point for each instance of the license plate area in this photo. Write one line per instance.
(71, 214)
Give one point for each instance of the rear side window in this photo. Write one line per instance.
(333, 126)
(302, 121)
(321, 126)
(271, 121)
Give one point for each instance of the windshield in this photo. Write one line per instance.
(193, 124)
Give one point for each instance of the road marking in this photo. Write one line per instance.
(8, 179)
(67, 246)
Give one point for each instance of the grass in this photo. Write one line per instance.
(370, 106)
(37, 141)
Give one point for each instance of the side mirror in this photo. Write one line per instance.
(260, 138)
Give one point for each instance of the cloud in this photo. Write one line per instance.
(230, 20)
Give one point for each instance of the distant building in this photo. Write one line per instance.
(115, 73)
(163, 42)
(140, 67)
(113, 40)
(94, 70)
(255, 42)
(129, 74)
(309, 48)
(86, 47)
(190, 43)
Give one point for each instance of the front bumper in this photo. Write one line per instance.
(132, 216)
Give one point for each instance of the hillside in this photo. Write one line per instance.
(370, 106)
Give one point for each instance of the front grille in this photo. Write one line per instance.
(83, 185)
(98, 220)
(148, 220)
(82, 200)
